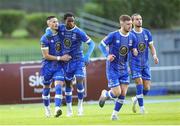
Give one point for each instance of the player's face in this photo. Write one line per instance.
(53, 23)
(137, 21)
(127, 25)
(70, 22)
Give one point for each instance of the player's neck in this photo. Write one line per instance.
(123, 31)
(138, 29)
(54, 31)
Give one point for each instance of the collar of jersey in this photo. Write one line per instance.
(123, 34)
(71, 29)
(138, 32)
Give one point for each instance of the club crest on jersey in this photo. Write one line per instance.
(145, 37)
(58, 46)
(67, 43)
(123, 50)
(141, 46)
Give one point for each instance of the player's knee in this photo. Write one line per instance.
(116, 93)
(138, 81)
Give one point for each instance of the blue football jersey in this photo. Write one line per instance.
(144, 38)
(53, 44)
(120, 45)
(72, 41)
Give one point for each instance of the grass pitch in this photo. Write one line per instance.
(165, 112)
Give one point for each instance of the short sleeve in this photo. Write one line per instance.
(107, 40)
(44, 43)
(149, 36)
(84, 37)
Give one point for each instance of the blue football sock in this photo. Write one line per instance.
(68, 94)
(80, 90)
(145, 91)
(46, 96)
(139, 94)
(58, 95)
(119, 102)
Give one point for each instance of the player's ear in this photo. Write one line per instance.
(121, 23)
(48, 22)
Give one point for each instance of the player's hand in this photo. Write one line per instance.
(135, 52)
(111, 57)
(66, 57)
(156, 60)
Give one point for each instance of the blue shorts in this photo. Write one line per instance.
(116, 77)
(52, 72)
(75, 68)
(143, 72)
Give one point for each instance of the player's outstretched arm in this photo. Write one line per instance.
(87, 56)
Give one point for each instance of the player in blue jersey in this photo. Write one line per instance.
(52, 71)
(72, 38)
(119, 44)
(139, 65)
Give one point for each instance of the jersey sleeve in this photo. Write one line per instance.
(84, 37)
(149, 35)
(44, 43)
(107, 40)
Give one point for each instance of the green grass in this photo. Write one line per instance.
(33, 114)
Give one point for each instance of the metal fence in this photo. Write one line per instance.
(19, 55)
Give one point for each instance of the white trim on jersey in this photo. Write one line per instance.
(88, 41)
(44, 48)
(102, 42)
(151, 42)
(137, 31)
(123, 34)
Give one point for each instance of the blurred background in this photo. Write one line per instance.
(22, 23)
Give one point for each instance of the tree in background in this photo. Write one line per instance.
(156, 13)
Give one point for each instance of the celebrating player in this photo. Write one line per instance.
(119, 44)
(52, 70)
(72, 38)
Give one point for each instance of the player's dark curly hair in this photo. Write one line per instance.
(68, 14)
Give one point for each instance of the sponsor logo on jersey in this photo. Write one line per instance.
(123, 50)
(141, 46)
(58, 47)
(67, 43)
(146, 37)
(130, 42)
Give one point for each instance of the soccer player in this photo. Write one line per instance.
(52, 70)
(72, 38)
(119, 44)
(139, 65)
